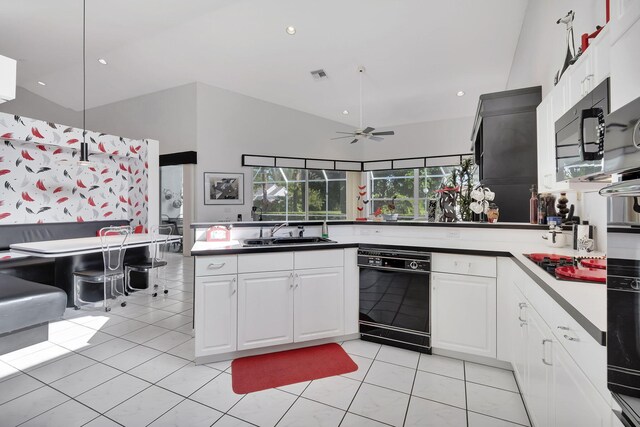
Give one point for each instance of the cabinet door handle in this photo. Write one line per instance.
(291, 280)
(234, 289)
(570, 338)
(523, 324)
(521, 305)
(564, 328)
(213, 266)
(296, 280)
(544, 360)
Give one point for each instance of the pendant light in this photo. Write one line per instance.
(84, 146)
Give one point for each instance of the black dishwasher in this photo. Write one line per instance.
(395, 297)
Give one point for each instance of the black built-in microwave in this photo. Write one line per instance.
(580, 139)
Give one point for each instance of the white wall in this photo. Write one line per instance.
(542, 46)
(434, 138)
(168, 116)
(230, 124)
(28, 104)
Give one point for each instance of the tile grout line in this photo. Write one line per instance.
(360, 386)
(415, 375)
(466, 401)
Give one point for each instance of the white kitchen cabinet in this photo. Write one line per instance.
(318, 303)
(625, 63)
(575, 401)
(215, 314)
(546, 145)
(556, 389)
(577, 79)
(265, 309)
(539, 351)
(624, 14)
(463, 313)
(8, 68)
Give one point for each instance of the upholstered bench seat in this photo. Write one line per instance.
(25, 309)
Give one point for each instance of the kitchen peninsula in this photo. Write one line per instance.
(252, 300)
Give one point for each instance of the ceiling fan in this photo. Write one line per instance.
(362, 132)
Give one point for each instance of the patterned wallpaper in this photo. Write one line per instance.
(41, 180)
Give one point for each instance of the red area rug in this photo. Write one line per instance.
(255, 373)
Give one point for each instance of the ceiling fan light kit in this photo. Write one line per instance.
(362, 132)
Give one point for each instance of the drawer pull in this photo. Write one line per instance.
(523, 324)
(216, 266)
(564, 328)
(570, 338)
(521, 305)
(544, 360)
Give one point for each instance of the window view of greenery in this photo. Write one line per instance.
(410, 187)
(298, 194)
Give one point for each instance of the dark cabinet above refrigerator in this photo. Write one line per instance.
(505, 148)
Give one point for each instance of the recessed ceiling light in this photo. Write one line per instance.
(42, 83)
(102, 61)
(460, 93)
(291, 30)
(345, 112)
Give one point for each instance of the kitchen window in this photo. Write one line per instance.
(411, 188)
(287, 194)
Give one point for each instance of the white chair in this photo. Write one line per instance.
(160, 235)
(112, 240)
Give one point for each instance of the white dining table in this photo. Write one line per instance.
(80, 246)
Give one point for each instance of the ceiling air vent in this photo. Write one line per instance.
(319, 75)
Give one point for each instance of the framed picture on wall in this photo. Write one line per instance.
(222, 188)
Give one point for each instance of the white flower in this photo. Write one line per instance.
(489, 195)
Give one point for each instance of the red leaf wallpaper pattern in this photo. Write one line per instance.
(42, 182)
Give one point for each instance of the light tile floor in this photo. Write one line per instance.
(134, 367)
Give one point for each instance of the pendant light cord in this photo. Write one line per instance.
(84, 71)
(361, 108)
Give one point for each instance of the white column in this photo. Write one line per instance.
(153, 189)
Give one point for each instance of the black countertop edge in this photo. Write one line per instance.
(300, 247)
(627, 409)
(276, 248)
(595, 332)
(503, 225)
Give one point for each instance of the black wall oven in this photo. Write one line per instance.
(622, 155)
(395, 297)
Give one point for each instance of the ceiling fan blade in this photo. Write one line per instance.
(343, 137)
(347, 133)
(376, 138)
(354, 141)
(389, 132)
(367, 129)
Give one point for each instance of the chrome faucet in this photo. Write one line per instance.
(277, 227)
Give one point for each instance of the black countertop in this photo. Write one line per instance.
(498, 225)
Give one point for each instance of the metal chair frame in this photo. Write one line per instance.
(160, 240)
(112, 242)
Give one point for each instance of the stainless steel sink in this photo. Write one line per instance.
(272, 241)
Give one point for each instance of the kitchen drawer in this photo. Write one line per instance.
(319, 259)
(277, 261)
(464, 264)
(588, 354)
(538, 298)
(216, 265)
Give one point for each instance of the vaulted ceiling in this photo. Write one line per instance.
(418, 53)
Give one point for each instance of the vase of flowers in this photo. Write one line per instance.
(448, 201)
